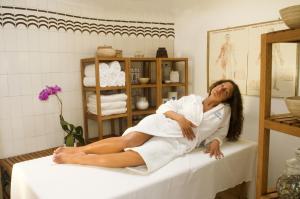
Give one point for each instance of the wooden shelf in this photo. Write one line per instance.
(269, 196)
(150, 110)
(284, 36)
(90, 60)
(150, 67)
(108, 117)
(85, 88)
(137, 59)
(286, 123)
(173, 84)
(120, 59)
(143, 85)
(174, 59)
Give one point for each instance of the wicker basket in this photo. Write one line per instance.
(105, 51)
(291, 16)
(293, 105)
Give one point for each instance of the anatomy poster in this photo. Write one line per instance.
(224, 62)
(228, 56)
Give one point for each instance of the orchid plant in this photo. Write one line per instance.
(72, 132)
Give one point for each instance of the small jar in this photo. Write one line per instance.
(288, 184)
(142, 103)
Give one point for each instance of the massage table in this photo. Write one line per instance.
(193, 176)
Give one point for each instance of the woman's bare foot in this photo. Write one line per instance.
(70, 150)
(67, 158)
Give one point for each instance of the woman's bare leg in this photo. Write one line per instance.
(109, 145)
(114, 160)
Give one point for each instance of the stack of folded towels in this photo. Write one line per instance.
(110, 104)
(110, 75)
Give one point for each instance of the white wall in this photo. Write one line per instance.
(31, 58)
(193, 20)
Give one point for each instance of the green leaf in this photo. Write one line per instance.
(79, 130)
(64, 124)
(80, 139)
(69, 140)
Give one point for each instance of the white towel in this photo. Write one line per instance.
(108, 112)
(104, 81)
(107, 105)
(89, 71)
(109, 98)
(115, 66)
(113, 79)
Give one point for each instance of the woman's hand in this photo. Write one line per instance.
(186, 127)
(213, 149)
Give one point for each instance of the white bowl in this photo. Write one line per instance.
(291, 16)
(144, 80)
(293, 105)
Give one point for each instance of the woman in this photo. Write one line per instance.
(177, 128)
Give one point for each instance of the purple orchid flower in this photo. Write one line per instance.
(49, 90)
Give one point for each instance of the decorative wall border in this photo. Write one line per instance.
(29, 17)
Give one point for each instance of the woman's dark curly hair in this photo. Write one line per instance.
(236, 105)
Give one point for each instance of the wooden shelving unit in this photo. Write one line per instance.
(150, 67)
(97, 89)
(284, 123)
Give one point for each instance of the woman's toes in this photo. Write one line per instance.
(57, 158)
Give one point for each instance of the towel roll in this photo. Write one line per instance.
(89, 71)
(115, 66)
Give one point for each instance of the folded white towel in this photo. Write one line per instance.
(89, 81)
(114, 79)
(108, 112)
(109, 98)
(89, 71)
(107, 105)
(115, 66)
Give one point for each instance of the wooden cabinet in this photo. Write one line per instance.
(156, 69)
(284, 123)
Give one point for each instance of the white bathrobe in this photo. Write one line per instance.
(168, 141)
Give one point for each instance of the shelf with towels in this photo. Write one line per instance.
(99, 76)
(94, 79)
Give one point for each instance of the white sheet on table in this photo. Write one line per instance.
(192, 176)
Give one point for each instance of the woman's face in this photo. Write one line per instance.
(222, 91)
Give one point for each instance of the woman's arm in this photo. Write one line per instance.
(185, 125)
(214, 141)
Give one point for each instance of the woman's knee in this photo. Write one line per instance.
(135, 139)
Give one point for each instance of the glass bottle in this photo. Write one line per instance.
(288, 184)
